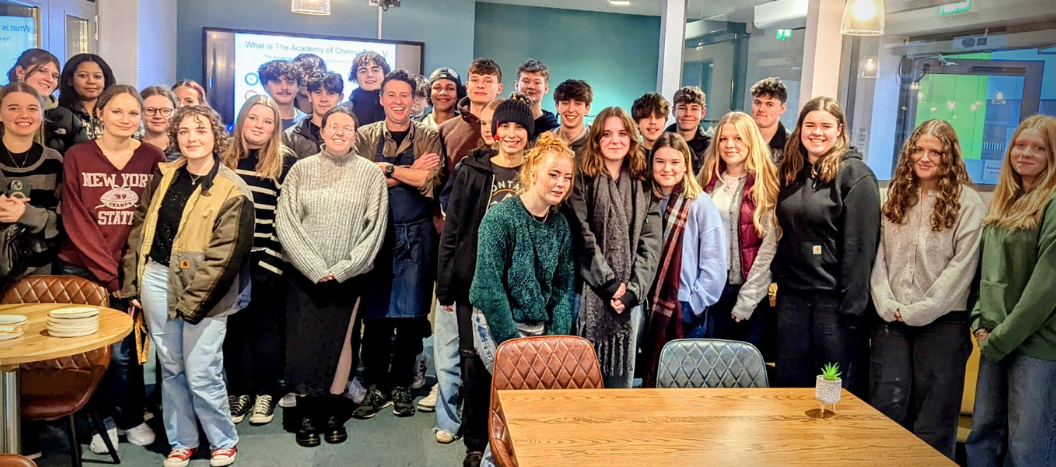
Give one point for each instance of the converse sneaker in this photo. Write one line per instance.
(223, 456)
(239, 407)
(289, 400)
(403, 402)
(141, 435)
(428, 403)
(356, 391)
(98, 446)
(179, 458)
(421, 365)
(373, 402)
(263, 411)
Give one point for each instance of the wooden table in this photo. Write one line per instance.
(742, 427)
(36, 345)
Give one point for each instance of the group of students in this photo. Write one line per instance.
(248, 255)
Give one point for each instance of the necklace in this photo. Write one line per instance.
(195, 178)
(11, 156)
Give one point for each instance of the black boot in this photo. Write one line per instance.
(307, 434)
(335, 430)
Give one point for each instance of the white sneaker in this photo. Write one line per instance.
(421, 365)
(141, 435)
(444, 437)
(428, 403)
(98, 446)
(356, 391)
(289, 400)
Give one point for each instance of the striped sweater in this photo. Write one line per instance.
(41, 168)
(266, 248)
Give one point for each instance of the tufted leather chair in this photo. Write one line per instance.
(59, 388)
(710, 363)
(15, 460)
(540, 362)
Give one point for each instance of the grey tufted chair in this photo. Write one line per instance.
(710, 363)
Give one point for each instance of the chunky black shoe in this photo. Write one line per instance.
(402, 401)
(335, 430)
(308, 436)
(473, 459)
(372, 404)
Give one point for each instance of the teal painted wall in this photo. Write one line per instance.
(617, 54)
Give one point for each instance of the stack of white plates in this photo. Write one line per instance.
(12, 326)
(74, 321)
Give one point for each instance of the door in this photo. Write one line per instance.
(984, 101)
(72, 28)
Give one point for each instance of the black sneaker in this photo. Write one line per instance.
(372, 404)
(402, 401)
(473, 459)
(307, 435)
(335, 430)
(239, 407)
(263, 410)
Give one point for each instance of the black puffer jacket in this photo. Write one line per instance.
(62, 129)
(367, 106)
(470, 193)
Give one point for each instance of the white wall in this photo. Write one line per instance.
(141, 52)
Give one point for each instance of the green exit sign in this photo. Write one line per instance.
(954, 8)
(784, 34)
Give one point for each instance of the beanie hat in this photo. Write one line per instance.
(516, 110)
(445, 73)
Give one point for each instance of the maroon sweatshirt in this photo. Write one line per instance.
(98, 202)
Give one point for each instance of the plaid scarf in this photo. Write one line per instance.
(665, 315)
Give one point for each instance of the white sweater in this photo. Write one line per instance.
(922, 273)
(332, 215)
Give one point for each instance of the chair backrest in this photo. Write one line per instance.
(541, 362)
(710, 363)
(56, 289)
(15, 460)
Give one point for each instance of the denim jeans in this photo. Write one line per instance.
(448, 375)
(627, 380)
(1014, 420)
(192, 368)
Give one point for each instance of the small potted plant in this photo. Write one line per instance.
(827, 390)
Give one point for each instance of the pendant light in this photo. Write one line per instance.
(863, 18)
(311, 7)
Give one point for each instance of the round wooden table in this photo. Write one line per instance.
(36, 345)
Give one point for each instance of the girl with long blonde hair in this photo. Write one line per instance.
(692, 263)
(1013, 319)
(929, 248)
(741, 179)
(615, 224)
(828, 210)
(253, 350)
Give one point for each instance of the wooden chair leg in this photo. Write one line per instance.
(100, 427)
(75, 446)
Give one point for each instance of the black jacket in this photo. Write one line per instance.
(62, 129)
(777, 143)
(698, 144)
(301, 139)
(830, 234)
(468, 194)
(367, 106)
(546, 122)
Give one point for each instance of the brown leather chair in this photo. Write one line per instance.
(542, 362)
(59, 388)
(15, 460)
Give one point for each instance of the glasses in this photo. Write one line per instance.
(345, 129)
(165, 111)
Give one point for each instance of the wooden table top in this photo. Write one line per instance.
(742, 427)
(36, 345)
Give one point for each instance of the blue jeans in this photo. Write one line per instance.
(448, 375)
(1014, 419)
(192, 368)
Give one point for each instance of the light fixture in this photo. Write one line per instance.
(867, 68)
(863, 18)
(620, 3)
(311, 7)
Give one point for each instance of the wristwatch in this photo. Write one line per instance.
(389, 169)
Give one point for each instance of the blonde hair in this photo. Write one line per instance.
(826, 168)
(1012, 207)
(690, 188)
(269, 159)
(593, 164)
(767, 185)
(547, 149)
(952, 178)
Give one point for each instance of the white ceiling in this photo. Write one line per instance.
(726, 10)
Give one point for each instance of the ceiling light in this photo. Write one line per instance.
(620, 3)
(863, 18)
(311, 7)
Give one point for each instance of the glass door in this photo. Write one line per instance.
(984, 101)
(73, 28)
(19, 30)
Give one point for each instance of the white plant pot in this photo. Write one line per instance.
(828, 392)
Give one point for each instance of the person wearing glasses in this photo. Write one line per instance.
(158, 105)
(329, 249)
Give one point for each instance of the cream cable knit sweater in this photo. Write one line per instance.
(332, 215)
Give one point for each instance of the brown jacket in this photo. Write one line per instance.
(425, 140)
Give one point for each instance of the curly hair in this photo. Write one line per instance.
(365, 59)
(200, 114)
(280, 69)
(826, 168)
(767, 186)
(902, 194)
(770, 87)
(1013, 207)
(593, 164)
(546, 151)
